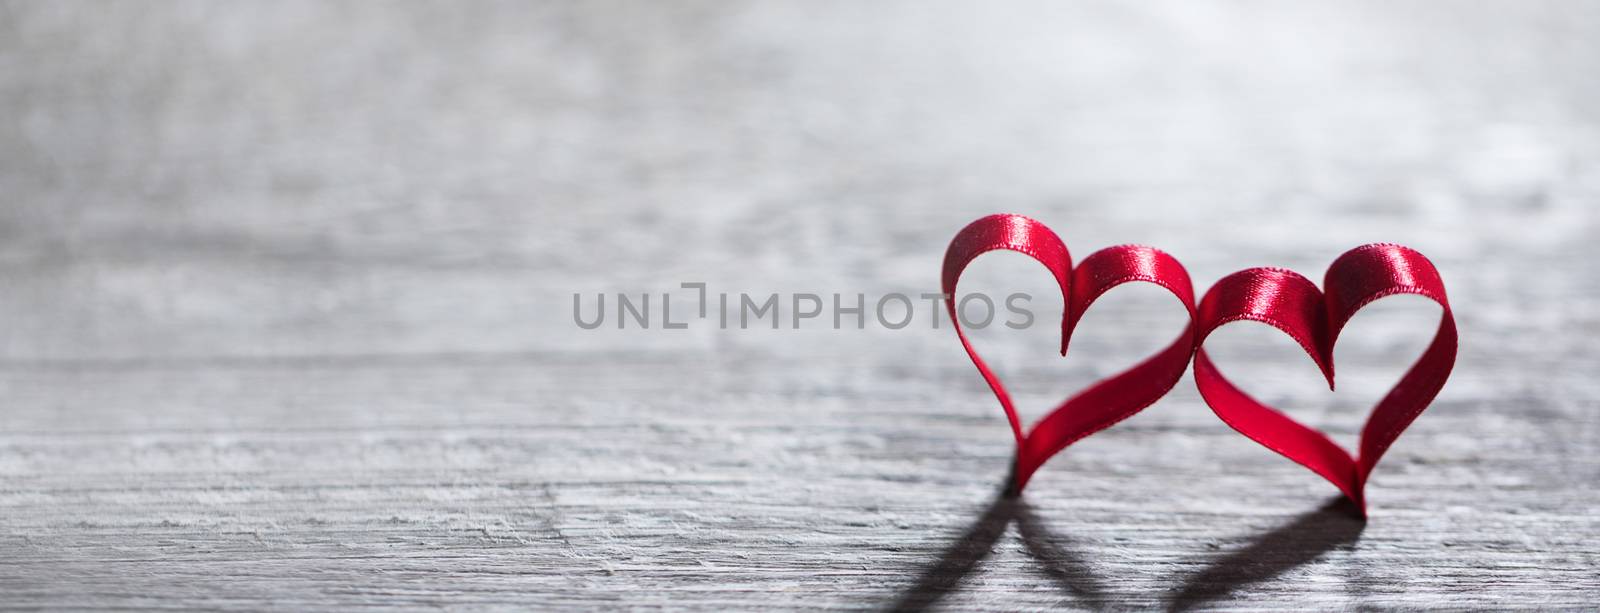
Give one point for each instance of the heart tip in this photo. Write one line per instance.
(1348, 506)
(1014, 482)
(1357, 509)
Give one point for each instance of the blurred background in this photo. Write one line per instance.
(284, 281)
(194, 179)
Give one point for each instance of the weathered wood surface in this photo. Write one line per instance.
(285, 302)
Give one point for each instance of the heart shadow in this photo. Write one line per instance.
(1337, 524)
(1058, 560)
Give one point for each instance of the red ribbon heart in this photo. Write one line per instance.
(1110, 400)
(1291, 303)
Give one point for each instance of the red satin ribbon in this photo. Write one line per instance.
(1291, 303)
(1110, 400)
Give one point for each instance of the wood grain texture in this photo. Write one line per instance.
(286, 292)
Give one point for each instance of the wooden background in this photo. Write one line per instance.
(286, 302)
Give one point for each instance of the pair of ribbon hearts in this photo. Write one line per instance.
(1273, 296)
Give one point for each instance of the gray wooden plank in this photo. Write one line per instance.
(286, 318)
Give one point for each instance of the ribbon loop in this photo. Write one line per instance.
(1011, 233)
(1366, 274)
(1108, 401)
(1291, 303)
